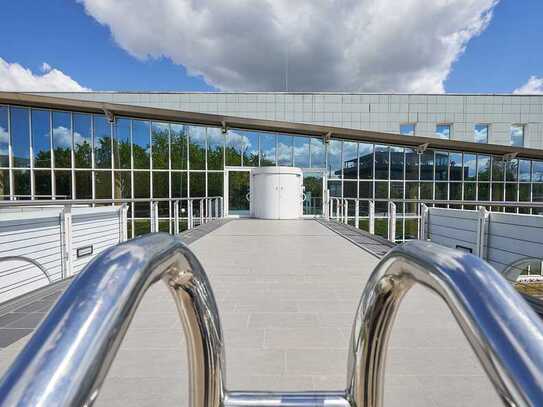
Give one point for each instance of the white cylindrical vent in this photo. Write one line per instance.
(276, 192)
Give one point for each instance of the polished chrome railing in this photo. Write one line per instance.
(67, 359)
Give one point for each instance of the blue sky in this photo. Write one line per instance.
(60, 33)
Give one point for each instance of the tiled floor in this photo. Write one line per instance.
(287, 292)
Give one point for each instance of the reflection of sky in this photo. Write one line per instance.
(481, 133)
(62, 138)
(4, 141)
(517, 136)
(407, 129)
(443, 131)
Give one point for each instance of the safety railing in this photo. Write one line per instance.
(66, 360)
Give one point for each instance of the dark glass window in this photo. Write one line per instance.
(426, 190)
(524, 192)
(41, 139)
(197, 147)
(267, 149)
(365, 161)
(411, 164)
(365, 189)
(21, 183)
(511, 173)
(83, 185)
(443, 131)
(82, 140)
(102, 181)
(179, 185)
(42, 184)
(382, 162)
(141, 143)
(334, 159)
(317, 153)
(20, 136)
(4, 143)
(480, 133)
(455, 191)
(397, 158)
(442, 190)
(301, 152)
(160, 137)
(411, 190)
(123, 185)
(234, 147)
(178, 146)
(62, 139)
(142, 190)
(498, 169)
(469, 167)
(483, 167)
(335, 188)
(524, 170)
(122, 144)
(250, 149)
(484, 192)
(350, 191)
(215, 149)
(215, 184)
(161, 184)
(350, 160)
(497, 191)
(102, 143)
(427, 165)
(470, 191)
(455, 163)
(396, 192)
(537, 171)
(197, 184)
(511, 191)
(63, 184)
(284, 150)
(442, 166)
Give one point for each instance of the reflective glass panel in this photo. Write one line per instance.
(141, 143)
(426, 190)
(365, 161)
(197, 184)
(397, 164)
(42, 184)
(456, 169)
(350, 160)
(350, 191)
(62, 139)
(427, 165)
(234, 147)
(178, 146)
(63, 184)
(455, 191)
(537, 171)
(469, 167)
(497, 191)
(123, 185)
(498, 167)
(335, 188)
(442, 166)
(480, 133)
(197, 147)
(483, 167)
(20, 136)
(215, 149)
(102, 180)
(215, 182)
(122, 144)
(21, 183)
(317, 153)
(511, 173)
(365, 189)
(483, 193)
(442, 190)
(250, 149)
(517, 135)
(301, 152)
(83, 183)
(102, 142)
(443, 131)
(284, 150)
(407, 129)
(4, 141)
(524, 170)
(382, 162)
(160, 137)
(267, 149)
(142, 190)
(470, 191)
(334, 158)
(161, 184)
(41, 139)
(82, 140)
(411, 164)
(179, 185)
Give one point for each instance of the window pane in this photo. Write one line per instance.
(301, 152)
(396, 192)
(197, 147)
(411, 164)
(141, 143)
(381, 190)
(382, 161)
(215, 184)
(537, 171)
(234, 147)
(443, 131)
(20, 136)
(317, 153)
(524, 170)
(511, 191)
(179, 185)
(160, 137)
(497, 192)
(42, 184)
(121, 146)
(63, 184)
(102, 142)
(480, 133)
(350, 160)
(4, 140)
(334, 158)
(512, 170)
(483, 193)
(284, 150)
(470, 191)
(82, 140)
(517, 135)
(427, 165)
(142, 190)
(102, 181)
(365, 161)
(250, 149)
(21, 183)
(407, 129)
(178, 146)
(267, 149)
(483, 167)
(365, 189)
(426, 190)
(197, 184)
(455, 191)
(442, 190)
(442, 166)
(62, 139)
(455, 163)
(41, 139)
(397, 163)
(498, 167)
(215, 149)
(83, 185)
(335, 188)
(350, 191)
(470, 167)
(123, 185)
(161, 184)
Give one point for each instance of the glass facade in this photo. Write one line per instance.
(69, 155)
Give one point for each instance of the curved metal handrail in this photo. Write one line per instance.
(502, 329)
(67, 358)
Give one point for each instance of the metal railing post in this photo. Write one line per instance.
(356, 214)
(423, 222)
(202, 211)
(371, 217)
(482, 221)
(190, 218)
(217, 215)
(391, 221)
(154, 217)
(176, 217)
(123, 223)
(345, 211)
(67, 255)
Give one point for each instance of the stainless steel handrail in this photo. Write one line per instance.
(67, 358)
(504, 332)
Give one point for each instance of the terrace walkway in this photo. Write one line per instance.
(287, 292)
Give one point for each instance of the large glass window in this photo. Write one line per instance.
(161, 184)
(122, 144)
(141, 143)
(179, 146)
(411, 164)
(42, 184)
(21, 183)
(511, 173)
(498, 168)
(442, 166)
(469, 167)
(334, 158)
(103, 184)
(62, 139)
(483, 167)
(317, 153)
(524, 170)
(382, 162)
(284, 150)
(197, 184)
(350, 160)
(397, 163)
(427, 165)
(517, 135)
(102, 142)
(20, 136)
(4, 143)
(179, 185)
(234, 147)
(215, 149)
(82, 140)
(197, 147)
(455, 164)
(407, 129)
(250, 149)
(365, 161)
(480, 133)
(160, 137)
(83, 185)
(63, 184)
(267, 149)
(41, 138)
(301, 152)
(443, 131)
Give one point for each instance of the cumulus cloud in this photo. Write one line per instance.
(365, 45)
(16, 78)
(534, 86)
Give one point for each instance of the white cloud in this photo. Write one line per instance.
(366, 45)
(534, 86)
(16, 78)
